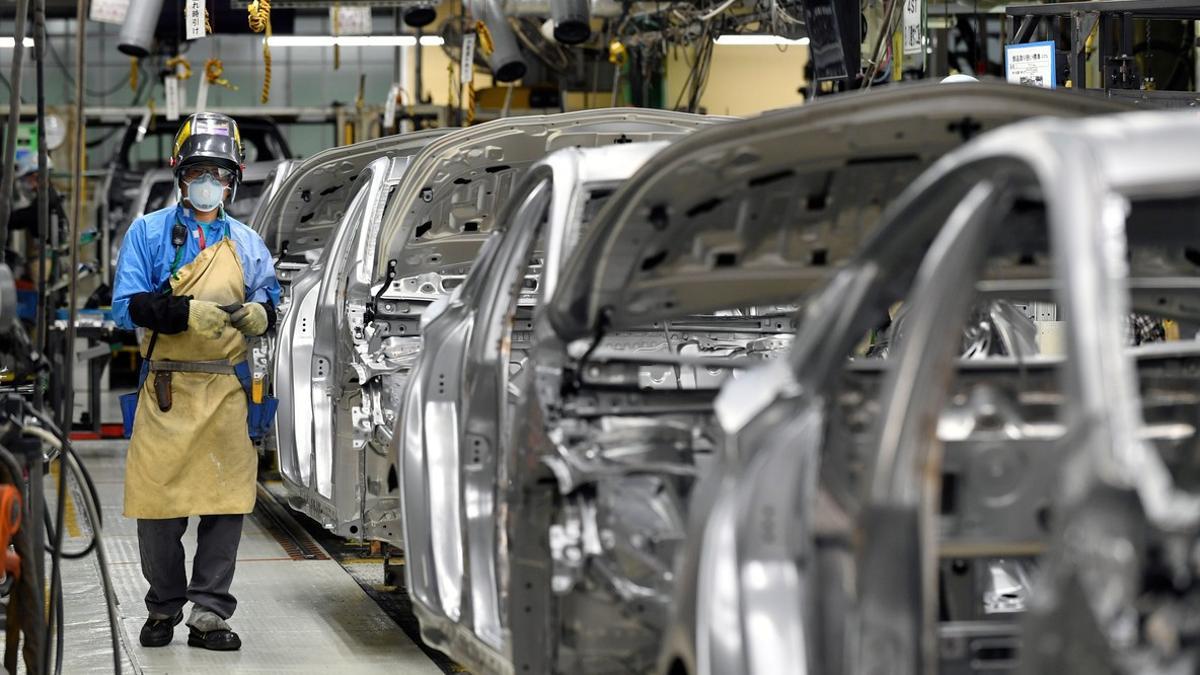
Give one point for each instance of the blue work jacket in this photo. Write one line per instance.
(147, 255)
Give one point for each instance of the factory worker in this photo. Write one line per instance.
(196, 283)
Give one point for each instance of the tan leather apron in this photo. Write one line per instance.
(196, 458)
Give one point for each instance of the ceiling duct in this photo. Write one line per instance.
(506, 61)
(572, 20)
(137, 33)
(420, 15)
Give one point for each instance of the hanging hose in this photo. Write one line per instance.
(134, 67)
(260, 22)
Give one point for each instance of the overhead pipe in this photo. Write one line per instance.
(420, 15)
(606, 9)
(572, 20)
(506, 60)
(137, 33)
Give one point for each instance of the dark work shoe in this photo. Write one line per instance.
(221, 640)
(157, 631)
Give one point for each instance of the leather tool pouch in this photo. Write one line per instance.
(162, 389)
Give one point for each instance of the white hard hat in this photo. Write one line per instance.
(957, 77)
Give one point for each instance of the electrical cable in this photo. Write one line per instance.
(890, 21)
(68, 555)
(54, 608)
(93, 510)
(720, 8)
(71, 460)
(66, 73)
(4, 81)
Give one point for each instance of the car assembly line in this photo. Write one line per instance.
(539, 337)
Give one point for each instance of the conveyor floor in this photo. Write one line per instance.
(294, 615)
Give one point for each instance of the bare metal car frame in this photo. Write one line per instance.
(351, 330)
(791, 562)
(579, 490)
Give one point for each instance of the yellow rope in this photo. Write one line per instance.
(208, 29)
(337, 49)
(260, 22)
(133, 73)
(485, 38)
(214, 72)
(173, 64)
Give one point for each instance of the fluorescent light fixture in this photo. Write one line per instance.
(353, 40)
(10, 43)
(757, 41)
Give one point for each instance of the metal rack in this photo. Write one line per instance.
(1114, 44)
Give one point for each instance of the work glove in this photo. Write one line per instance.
(206, 319)
(251, 319)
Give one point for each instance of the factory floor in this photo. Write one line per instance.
(299, 611)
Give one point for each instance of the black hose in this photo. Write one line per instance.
(71, 79)
(93, 509)
(55, 625)
(69, 459)
(68, 555)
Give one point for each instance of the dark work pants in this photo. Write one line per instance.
(159, 542)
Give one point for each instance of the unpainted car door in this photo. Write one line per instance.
(459, 401)
(306, 207)
(325, 478)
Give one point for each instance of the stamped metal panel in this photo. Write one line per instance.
(304, 211)
(767, 207)
(449, 200)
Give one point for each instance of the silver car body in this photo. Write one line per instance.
(460, 387)
(1088, 459)
(690, 273)
(349, 339)
(322, 222)
(272, 184)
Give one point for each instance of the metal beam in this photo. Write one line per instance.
(1156, 9)
(300, 115)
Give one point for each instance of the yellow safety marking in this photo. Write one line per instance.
(71, 516)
